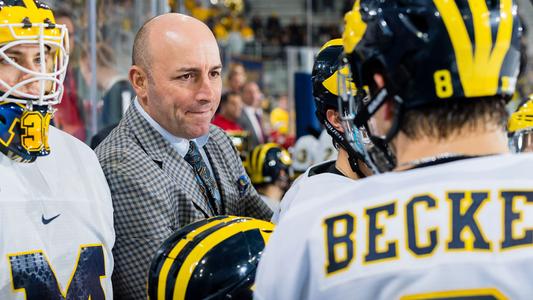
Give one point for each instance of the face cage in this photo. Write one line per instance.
(356, 136)
(522, 141)
(56, 77)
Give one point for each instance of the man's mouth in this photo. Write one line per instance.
(200, 112)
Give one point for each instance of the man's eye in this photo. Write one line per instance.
(215, 73)
(6, 62)
(185, 76)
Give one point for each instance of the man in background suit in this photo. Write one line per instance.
(251, 116)
(166, 166)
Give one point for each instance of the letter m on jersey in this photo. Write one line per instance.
(33, 275)
(479, 65)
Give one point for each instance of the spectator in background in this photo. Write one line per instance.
(279, 117)
(295, 32)
(279, 123)
(252, 114)
(236, 78)
(115, 87)
(230, 110)
(328, 5)
(273, 29)
(257, 26)
(70, 115)
(235, 43)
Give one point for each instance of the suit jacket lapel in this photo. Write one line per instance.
(160, 151)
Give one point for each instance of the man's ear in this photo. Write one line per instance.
(379, 80)
(139, 81)
(334, 118)
(388, 106)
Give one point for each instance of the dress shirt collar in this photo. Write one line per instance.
(251, 110)
(180, 144)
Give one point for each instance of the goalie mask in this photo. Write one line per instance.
(33, 63)
(214, 258)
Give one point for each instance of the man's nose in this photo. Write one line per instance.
(205, 88)
(33, 86)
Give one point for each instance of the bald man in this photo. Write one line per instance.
(165, 164)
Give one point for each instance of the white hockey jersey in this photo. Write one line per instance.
(460, 230)
(309, 186)
(56, 225)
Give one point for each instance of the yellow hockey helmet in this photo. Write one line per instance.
(266, 162)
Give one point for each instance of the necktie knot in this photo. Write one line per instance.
(193, 156)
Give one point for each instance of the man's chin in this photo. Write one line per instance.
(198, 131)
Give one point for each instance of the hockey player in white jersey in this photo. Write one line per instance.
(349, 165)
(454, 220)
(56, 216)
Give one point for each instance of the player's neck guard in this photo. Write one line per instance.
(24, 131)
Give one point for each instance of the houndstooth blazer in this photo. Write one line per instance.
(154, 193)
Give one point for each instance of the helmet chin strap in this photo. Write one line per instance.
(30, 105)
(381, 153)
(353, 156)
(355, 167)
